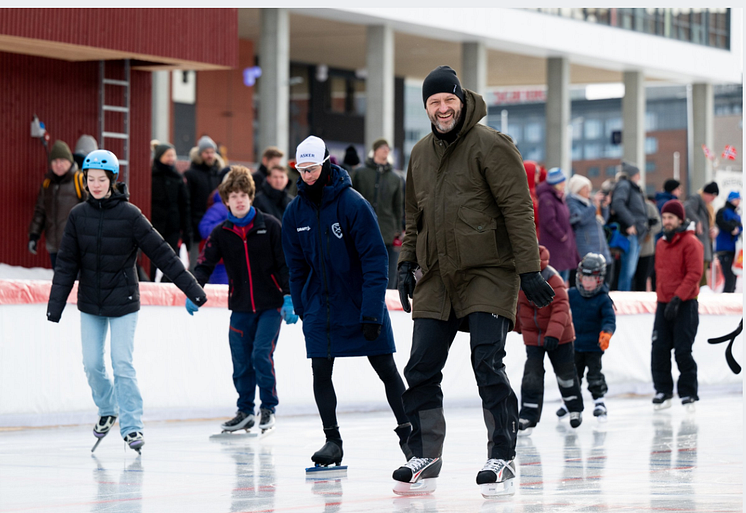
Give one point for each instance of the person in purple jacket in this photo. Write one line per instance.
(216, 214)
(555, 231)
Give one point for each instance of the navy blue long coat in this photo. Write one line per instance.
(338, 270)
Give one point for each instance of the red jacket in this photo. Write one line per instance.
(531, 171)
(554, 320)
(678, 266)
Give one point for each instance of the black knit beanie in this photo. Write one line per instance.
(712, 188)
(442, 79)
(671, 185)
(160, 150)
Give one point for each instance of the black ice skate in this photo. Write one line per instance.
(240, 421)
(661, 401)
(688, 403)
(497, 478)
(329, 457)
(417, 476)
(576, 418)
(599, 410)
(102, 428)
(267, 421)
(525, 427)
(562, 412)
(135, 441)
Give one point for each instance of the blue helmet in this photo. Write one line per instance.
(102, 159)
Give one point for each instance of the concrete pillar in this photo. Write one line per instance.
(379, 85)
(702, 133)
(274, 90)
(474, 69)
(161, 106)
(558, 114)
(633, 122)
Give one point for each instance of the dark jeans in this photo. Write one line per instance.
(645, 266)
(423, 400)
(53, 258)
(326, 398)
(677, 335)
(596, 380)
(253, 337)
(726, 262)
(393, 259)
(532, 386)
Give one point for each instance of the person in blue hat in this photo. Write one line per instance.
(729, 223)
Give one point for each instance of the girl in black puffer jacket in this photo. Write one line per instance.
(100, 242)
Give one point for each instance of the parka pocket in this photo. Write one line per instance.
(475, 239)
(421, 246)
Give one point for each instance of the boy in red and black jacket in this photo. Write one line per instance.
(250, 245)
(550, 331)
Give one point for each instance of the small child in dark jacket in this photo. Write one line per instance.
(595, 322)
(547, 330)
(250, 244)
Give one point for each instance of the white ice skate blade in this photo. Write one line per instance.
(662, 406)
(690, 408)
(525, 432)
(421, 487)
(495, 490)
(236, 435)
(602, 418)
(322, 472)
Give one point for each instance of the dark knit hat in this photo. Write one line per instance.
(712, 188)
(161, 149)
(205, 142)
(380, 142)
(674, 207)
(670, 185)
(630, 169)
(60, 150)
(442, 79)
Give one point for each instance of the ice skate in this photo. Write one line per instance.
(267, 421)
(688, 404)
(135, 441)
(525, 427)
(599, 410)
(562, 412)
(240, 421)
(576, 418)
(328, 459)
(497, 478)
(661, 401)
(102, 428)
(417, 476)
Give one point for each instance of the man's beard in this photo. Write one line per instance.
(445, 128)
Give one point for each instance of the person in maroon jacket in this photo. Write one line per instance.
(678, 268)
(550, 331)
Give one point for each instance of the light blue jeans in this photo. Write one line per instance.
(628, 264)
(122, 397)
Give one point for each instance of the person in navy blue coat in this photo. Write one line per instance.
(338, 275)
(729, 223)
(595, 322)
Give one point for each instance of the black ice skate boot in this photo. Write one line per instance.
(525, 427)
(497, 478)
(562, 412)
(576, 418)
(661, 401)
(403, 431)
(417, 476)
(242, 420)
(102, 428)
(332, 451)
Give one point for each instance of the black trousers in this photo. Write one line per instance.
(645, 267)
(726, 262)
(326, 398)
(532, 386)
(423, 400)
(596, 380)
(677, 335)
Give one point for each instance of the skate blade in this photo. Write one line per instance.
(235, 435)
(690, 408)
(329, 472)
(525, 432)
(602, 418)
(96, 444)
(421, 487)
(663, 406)
(496, 490)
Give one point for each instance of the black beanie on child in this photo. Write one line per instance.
(442, 79)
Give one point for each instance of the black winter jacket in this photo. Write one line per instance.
(101, 241)
(271, 201)
(169, 206)
(201, 181)
(257, 274)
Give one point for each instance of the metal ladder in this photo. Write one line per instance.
(124, 133)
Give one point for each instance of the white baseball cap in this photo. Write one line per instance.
(311, 150)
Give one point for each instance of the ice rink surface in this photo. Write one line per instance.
(639, 460)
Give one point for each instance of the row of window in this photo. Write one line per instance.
(611, 171)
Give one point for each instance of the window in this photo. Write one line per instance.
(651, 121)
(534, 132)
(577, 129)
(535, 153)
(651, 145)
(650, 166)
(593, 129)
(577, 152)
(593, 172)
(613, 125)
(515, 132)
(613, 151)
(611, 170)
(592, 151)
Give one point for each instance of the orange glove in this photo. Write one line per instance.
(603, 340)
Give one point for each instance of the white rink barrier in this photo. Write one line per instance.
(184, 367)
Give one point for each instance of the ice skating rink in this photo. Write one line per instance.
(639, 460)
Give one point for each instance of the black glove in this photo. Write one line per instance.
(550, 343)
(407, 283)
(371, 331)
(537, 290)
(32, 245)
(53, 318)
(672, 308)
(652, 221)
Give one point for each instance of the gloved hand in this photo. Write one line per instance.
(537, 290)
(407, 283)
(672, 308)
(550, 343)
(191, 307)
(53, 318)
(32, 245)
(371, 331)
(287, 312)
(603, 340)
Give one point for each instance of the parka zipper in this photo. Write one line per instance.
(248, 265)
(98, 254)
(326, 286)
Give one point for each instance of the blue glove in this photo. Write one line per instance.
(191, 307)
(287, 311)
